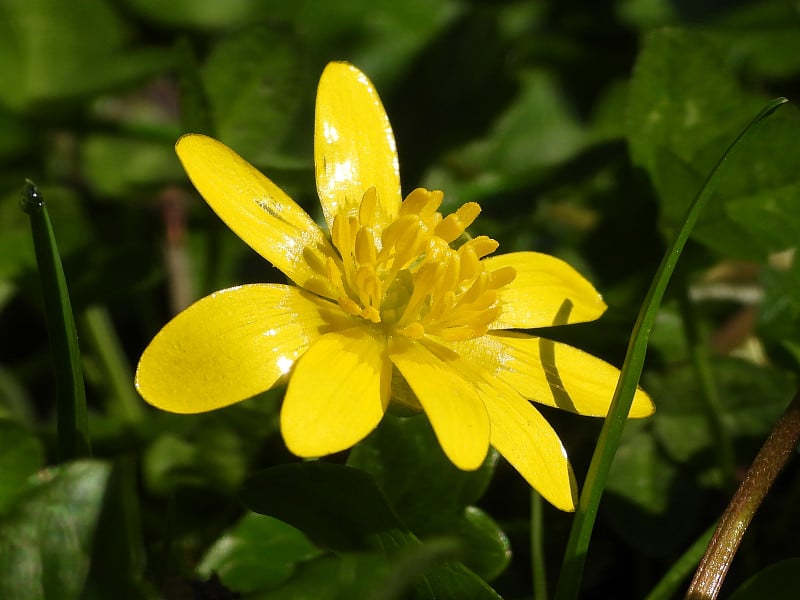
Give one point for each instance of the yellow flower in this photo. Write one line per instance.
(392, 297)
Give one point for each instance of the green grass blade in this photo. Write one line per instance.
(538, 564)
(586, 512)
(682, 568)
(71, 420)
(99, 331)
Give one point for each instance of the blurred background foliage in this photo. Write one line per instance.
(583, 129)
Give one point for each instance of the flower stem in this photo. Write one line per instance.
(538, 565)
(589, 501)
(71, 420)
(734, 522)
(709, 392)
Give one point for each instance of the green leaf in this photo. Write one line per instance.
(408, 464)
(71, 420)
(487, 550)
(381, 45)
(752, 398)
(148, 164)
(763, 36)
(537, 131)
(257, 553)
(431, 495)
(215, 455)
(652, 504)
(118, 555)
(338, 507)
(779, 316)
(756, 213)
(770, 217)
(51, 50)
(15, 401)
(678, 136)
(343, 509)
(779, 581)
(647, 14)
(209, 14)
(21, 455)
(14, 136)
(45, 541)
(332, 578)
(682, 97)
(260, 92)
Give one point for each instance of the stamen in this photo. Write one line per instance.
(406, 276)
(365, 251)
(454, 224)
(482, 245)
(422, 202)
(502, 277)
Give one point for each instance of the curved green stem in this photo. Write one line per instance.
(681, 569)
(539, 567)
(589, 501)
(698, 353)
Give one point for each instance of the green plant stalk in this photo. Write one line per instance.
(195, 109)
(709, 392)
(681, 569)
(589, 501)
(99, 329)
(539, 567)
(768, 463)
(71, 420)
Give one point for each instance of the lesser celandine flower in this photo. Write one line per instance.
(389, 297)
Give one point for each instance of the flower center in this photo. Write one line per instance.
(408, 277)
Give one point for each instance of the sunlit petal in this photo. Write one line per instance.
(337, 394)
(449, 395)
(256, 209)
(354, 147)
(545, 292)
(551, 373)
(529, 444)
(229, 346)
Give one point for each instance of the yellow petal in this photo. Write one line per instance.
(228, 346)
(449, 395)
(354, 147)
(545, 292)
(255, 209)
(337, 394)
(529, 444)
(551, 373)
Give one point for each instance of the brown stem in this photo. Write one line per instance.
(762, 473)
(176, 256)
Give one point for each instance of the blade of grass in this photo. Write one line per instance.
(681, 569)
(709, 394)
(71, 420)
(538, 564)
(586, 512)
(99, 329)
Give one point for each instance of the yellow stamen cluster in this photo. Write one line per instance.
(407, 276)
